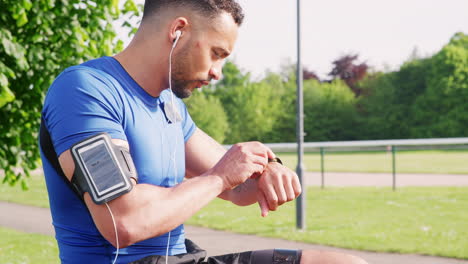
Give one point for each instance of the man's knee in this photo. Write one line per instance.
(328, 257)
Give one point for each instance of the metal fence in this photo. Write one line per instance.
(371, 145)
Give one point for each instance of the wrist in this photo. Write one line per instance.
(217, 181)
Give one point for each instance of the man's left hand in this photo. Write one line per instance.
(276, 186)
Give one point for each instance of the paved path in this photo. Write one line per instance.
(37, 220)
(346, 179)
(385, 179)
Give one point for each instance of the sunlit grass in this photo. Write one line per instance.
(36, 195)
(23, 248)
(436, 161)
(431, 221)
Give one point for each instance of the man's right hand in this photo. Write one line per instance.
(241, 162)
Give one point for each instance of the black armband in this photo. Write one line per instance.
(102, 168)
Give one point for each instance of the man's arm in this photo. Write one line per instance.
(202, 152)
(274, 187)
(148, 211)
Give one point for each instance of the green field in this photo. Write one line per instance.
(35, 196)
(434, 161)
(20, 248)
(430, 220)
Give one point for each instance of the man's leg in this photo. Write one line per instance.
(281, 256)
(328, 257)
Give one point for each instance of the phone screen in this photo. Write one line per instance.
(102, 169)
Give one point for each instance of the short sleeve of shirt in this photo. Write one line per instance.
(80, 103)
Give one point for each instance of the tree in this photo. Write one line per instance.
(309, 75)
(379, 109)
(442, 110)
(232, 76)
(386, 100)
(252, 111)
(252, 107)
(425, 98)
(284, 127)
(38, 40)
(208, 113)
(330, 111)
(347, 70)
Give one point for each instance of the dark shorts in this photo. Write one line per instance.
(196, 255)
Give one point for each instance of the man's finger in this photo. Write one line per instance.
(255, 175)
(262, 202)
(270, 153)
(297, 186)
(289, 190)
(280, 191)
(271, 197)
(260, 161)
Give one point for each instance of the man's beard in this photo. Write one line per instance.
(180, 85)
(180, 88)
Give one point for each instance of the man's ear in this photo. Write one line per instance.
(179, 24)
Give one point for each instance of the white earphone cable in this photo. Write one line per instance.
(173, 160)
(178, 34)
(116, 234)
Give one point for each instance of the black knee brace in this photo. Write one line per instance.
(278, 256)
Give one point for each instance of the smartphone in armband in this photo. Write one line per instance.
(102, 168)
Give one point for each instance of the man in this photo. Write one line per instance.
(180, 44)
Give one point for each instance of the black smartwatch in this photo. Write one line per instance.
(275, 160)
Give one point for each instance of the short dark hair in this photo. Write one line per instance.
(209, 8)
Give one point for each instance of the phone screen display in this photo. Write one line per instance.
(102, 169)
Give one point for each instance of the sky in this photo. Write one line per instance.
(383, 33)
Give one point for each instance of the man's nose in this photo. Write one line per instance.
(216, 71)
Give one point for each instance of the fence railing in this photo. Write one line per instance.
(389, 145)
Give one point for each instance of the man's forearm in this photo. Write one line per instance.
(149, 211)
(243, 195)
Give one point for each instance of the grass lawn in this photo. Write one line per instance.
(433, 161)
(429, 220)
(35, 196)
(21, 248)
(432, 221)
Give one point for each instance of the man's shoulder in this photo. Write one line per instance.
(93, 69)
(85, 76)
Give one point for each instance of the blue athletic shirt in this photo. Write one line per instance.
(100, 96)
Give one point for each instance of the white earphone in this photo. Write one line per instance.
(178, 34)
